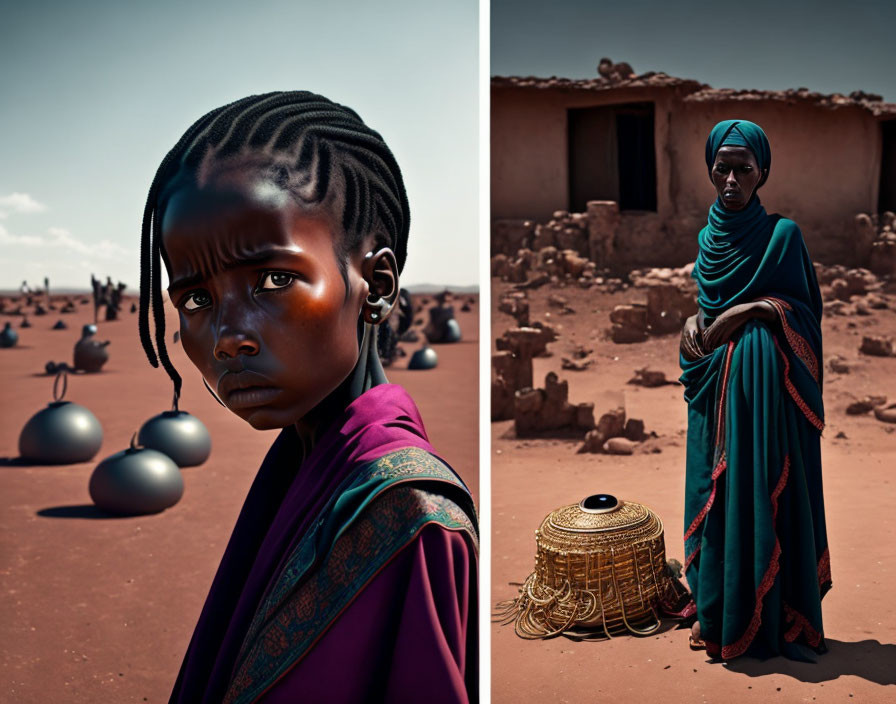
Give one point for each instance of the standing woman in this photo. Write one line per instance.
(350, 575)
(757, 553)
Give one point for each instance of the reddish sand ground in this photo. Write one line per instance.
(530, 478)
(96, 609)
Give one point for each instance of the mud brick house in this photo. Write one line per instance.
(558, 143)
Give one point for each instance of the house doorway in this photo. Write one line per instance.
(612, 157)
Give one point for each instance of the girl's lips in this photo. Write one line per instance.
(252, 396)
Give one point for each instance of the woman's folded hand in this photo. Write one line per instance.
(729, 322)
(690, 346)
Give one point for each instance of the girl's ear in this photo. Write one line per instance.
(380, 270)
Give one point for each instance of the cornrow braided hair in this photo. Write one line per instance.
(314, 147)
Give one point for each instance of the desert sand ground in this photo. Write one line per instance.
(530, 478)
(100, 609)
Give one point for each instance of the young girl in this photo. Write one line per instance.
(351, 573)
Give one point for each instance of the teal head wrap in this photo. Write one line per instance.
(740, 133)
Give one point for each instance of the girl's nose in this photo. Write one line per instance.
(232, 343)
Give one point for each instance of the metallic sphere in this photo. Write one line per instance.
(179, 435)
(136, 481)
(424, 358)
(61, 433)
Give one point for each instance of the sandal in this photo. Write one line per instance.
(696, 643)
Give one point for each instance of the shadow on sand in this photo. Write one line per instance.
(869, 659)
(78, 511)
(18, 462)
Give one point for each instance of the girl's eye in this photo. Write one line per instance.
(721, 168)
(196, 300)
(275, 279)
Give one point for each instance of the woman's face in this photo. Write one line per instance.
(735, 174)
(265, 313)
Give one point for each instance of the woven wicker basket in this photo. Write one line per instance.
(600, 570)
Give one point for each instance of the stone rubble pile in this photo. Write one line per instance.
(615, 434)
(671, 298)
(530, 268)
(547, 411)
(851, 292)
(568, 247)
(876, 241)
(512, 365)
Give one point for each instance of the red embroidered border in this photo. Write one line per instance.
(716, 473)
(803, 406)
(824, 568)
(768, 579)
(800, 625)
(797, 342)
(720, 422)
(722, 464)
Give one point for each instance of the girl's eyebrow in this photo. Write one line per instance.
(260, 256)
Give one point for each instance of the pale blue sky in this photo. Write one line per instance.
(94, 93)
(830, 47)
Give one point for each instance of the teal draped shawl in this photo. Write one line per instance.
(755, 541)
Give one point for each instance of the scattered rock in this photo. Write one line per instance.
(536, 281)
(857, 408)
(576, 365)
(838, 365)
(619, 446)
(650, 378)
(877, 346)
(862, 308)
(876, 302)
(629, 323)
(634, 430)
(668, 307)
(611, 424)
(886, 413)
(516, 305)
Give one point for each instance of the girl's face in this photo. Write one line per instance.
(266, 314)
(735, 174)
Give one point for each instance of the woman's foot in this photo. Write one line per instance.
(694, 640)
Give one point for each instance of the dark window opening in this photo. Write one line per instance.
(612, 157)
(887, 196)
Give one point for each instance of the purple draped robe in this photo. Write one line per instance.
(405, 632)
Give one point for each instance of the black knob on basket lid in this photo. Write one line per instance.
(599, 503)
